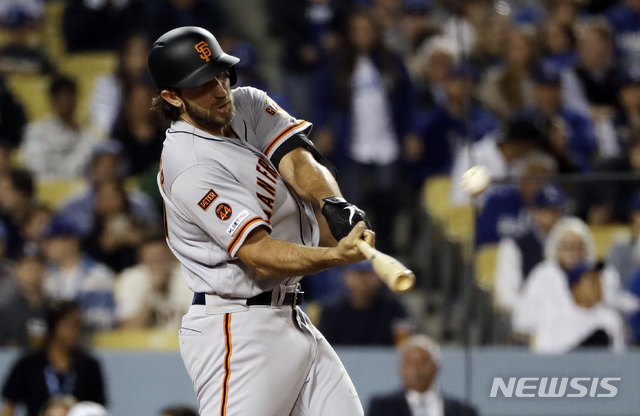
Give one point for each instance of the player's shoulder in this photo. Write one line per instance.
(179, 148)
(248, 96)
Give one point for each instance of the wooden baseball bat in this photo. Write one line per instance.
(391, 271)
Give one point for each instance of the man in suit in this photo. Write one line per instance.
(420, 397)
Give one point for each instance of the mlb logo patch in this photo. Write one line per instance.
(208, 199)
(236, 223)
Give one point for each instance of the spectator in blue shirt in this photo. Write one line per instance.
(633, 286)
(572, 140)
(308, 32)
(558, 43)
(628, 116)
(71, 276)
(506, 212)
(608, 201)
(17, 195)
(443, 130)
(518, 256)
(625, 20)
(591, 86)
(623, 252)
(594, 79)
(106, 165)
(564, 11)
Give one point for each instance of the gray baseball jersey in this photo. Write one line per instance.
(259, 360)
(217, 190)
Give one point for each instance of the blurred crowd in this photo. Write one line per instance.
(545, 93)
(400, 92)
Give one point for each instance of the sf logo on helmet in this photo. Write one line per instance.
(203, 48)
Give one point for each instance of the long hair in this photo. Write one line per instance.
(124, 117)
(119, 184)
(349, 56)
(121, 68)
(510, 81)
(165, 110)
(575, 225)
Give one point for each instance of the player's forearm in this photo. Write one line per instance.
(311, 180)
(277, 258)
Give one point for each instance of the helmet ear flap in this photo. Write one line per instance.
(233, 76)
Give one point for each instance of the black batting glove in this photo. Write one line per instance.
(342, 216)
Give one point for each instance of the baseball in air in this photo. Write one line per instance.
(476, 180)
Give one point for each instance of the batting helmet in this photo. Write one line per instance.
(188, 57)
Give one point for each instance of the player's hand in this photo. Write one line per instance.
(342, 216)
(347, 249)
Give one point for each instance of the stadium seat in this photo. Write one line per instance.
(132, 184)
(435, 197)
(313, 310)
(485, 266)
(458, 221)
(52, 36)
(32, 92)
(55, 192)
(138, 339)
(605, 235)
(461, 223)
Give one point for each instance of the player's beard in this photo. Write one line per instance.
(211, 117)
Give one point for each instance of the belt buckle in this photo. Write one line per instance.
(298, 297)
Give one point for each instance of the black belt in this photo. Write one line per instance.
(264, 298)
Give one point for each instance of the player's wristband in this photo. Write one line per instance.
(342, 216)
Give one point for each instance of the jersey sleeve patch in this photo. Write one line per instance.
(273, 109)
(236, 223)
(250, 224)
(208, 199)
(223, 211)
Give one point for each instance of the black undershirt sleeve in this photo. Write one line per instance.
(301, 140)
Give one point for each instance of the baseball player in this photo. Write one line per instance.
(238, 176)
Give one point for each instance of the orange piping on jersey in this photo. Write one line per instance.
(242, 229)
(227, 364)
(164, 220)
(281, 135)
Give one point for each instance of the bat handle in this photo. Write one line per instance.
(368, 251)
